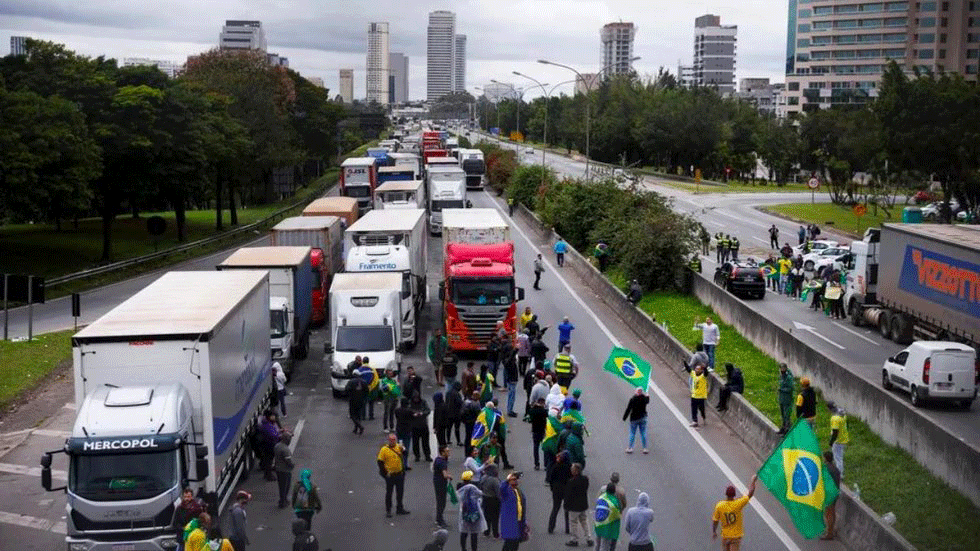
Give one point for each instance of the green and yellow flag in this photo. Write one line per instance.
(486, 388)
(628, 365)
(796, 474)
(607, 514)
(551, 431)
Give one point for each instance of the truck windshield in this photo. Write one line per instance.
(439, 204)
(482, 291)
(118, 477)
(365, 339)
(357, 191)
(278, 323)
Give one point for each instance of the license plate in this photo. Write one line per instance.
(944, 386)
(124, 547)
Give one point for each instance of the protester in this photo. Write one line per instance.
(538, 416)
(555, 400)
(526, 317)
(710, 337)
(511, 378)
(420, 428)
(806, 403)
(637, 522)
(196, 532)
(357, 396)
(404, 416)
(839, 437)
(573, 401)
(239, 521)
(574, 444)
(523, 351)
(830, 512)
(412, 383)
(189, 509)
(367, 373)
(734, 382)
(454, 413)
(620, 494)
(636, 411)
(435, 351)
(439, 423)
(577, 504)
(530, 379)
(215, 541)
(471, 410)
(565, 329)
(728, 513)
(698, 357)
(284, 466)
(490, 486)
(280, 376)
(450, 369)
(539, 352)
(773, 237)
(538, 270)
(268, 437)
(303, 538)
(635, 292)
(608, 511)
(557, 478)
(513, 512)
(306, 498)
(785, 398)
(391, 391)
(469, 380)
(391, 467)
(601, 254)
(699, 394)
(471, 518)
(475, 465)
(560, 249)
(440, 479)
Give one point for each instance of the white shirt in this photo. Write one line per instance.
(709, 333)
(280, 380)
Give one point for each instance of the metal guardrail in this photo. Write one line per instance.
(179, 248)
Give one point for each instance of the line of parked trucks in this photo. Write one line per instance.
(171, 384)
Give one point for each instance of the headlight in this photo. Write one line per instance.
(77, 547)
(168, 544)
(337, 368)
(277, 352)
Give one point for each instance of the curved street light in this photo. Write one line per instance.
(547, 102)
(588, 103)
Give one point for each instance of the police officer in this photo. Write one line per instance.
(734, 246)
(719, 239)
(565, 367)
(726, 243)
(695, 263)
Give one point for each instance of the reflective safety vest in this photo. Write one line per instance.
(734, 243)
(695, 264)
(563, 364)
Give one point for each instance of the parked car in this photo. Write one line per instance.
(822, 257)
(739, 278)
(932, 210)
(923, 196)
(815, 246)
(967, 217)
(934, 370)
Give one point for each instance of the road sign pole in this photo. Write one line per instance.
(813, 199)
(30, 308)
(6, 311)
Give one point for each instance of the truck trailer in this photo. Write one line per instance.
(400, 195)
(325, 236)
(170, 385)
(344, 208)
(358, 178)
(446, 190)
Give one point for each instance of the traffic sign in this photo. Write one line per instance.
(697, 175)
(813, 183)
(860, 210)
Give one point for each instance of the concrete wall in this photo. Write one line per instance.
(858, 527)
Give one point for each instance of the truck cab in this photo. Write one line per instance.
(447, 190)
(358, 178)
(400, 195)
(471, 160)
(281, 330)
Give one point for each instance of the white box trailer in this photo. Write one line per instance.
(169, 386)
(446, 190)
(409, 194)
(474, 226)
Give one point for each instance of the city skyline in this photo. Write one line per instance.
(331, 38)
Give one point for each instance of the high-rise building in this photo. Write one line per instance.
(617, 47)
(459, 64)
(760, 93)
(18, 45)
(315, 81)
(346, 85)
(398, 79)
(685, 75)
(440, 54)
(714, 54)
(840, 49)
(377, 63)
(169, 68)
(242, 35)
(587, 82)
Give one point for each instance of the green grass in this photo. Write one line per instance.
(732, 187)
(25, 364)
(929, 513)
(842, 217)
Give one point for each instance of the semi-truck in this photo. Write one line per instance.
(344, 208)
(393, 241)
(366, 321)
(394, 174)
(291, 279)
(479, 288)
(446, 190)
(472, 163)
(358, 178)
(407, 161)
(169, 385)
(917, 281)
(400, 195)
(325, 236)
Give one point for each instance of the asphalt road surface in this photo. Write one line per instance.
(685, 473)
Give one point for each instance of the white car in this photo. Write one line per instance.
(823, 257)
(529, 151)
(815, 246)
(936, 370)
(932, 210)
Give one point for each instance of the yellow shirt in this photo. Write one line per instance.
(784, 264)
(197, 539)
(525, 319)
(729, 514)
(838, 422)
(392, 458)
(699, 386)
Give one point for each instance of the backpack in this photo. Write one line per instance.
(302, 499)
(471, 508)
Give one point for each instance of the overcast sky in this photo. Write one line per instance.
(321, 36)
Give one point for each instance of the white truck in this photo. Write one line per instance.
(446, 190)
(169, 385)
(408, 194)
(472, 163)
(406, 160)
(474, 227)
(393, 241)
(290, 283)
(365, 320)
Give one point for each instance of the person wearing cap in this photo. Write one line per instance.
(839, 437)
(572, 401)
(513, 512)
(637, 522)
(806, 403)
(239, 522)
(785, 398)
(565, 329)
(391, 467)
(728, 513)
(636, 410)
(472, 521)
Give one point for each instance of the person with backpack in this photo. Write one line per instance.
(196, 532)
(216, 542)
(471, 518)
(306, 498)
(303, 539)
(471, 410)
(490, 486)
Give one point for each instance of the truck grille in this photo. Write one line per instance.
(163, 520)
(481, 321)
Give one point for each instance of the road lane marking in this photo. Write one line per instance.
(812, 331)
(761, 240)
(715, 458)
(855, 333)
(25, 521)
(296, 432)
(733, 217)
(11, 468)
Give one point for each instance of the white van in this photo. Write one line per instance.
(934, 370)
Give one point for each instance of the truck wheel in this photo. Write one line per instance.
(856, 314)
(966, 404)
(915, 397)
(884, 324)
(304, 348)
(886, 381)
(902, 329)
(336, 393)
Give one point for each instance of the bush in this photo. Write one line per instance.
(526, 183)
(501, 165)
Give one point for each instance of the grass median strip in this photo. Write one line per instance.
(930, 514)
(23, 364)
(839, 217)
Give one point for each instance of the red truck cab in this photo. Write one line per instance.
(321, 285)
(478, 292)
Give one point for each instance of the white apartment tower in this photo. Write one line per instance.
(398, 80)
(377, 63)
(617, 47)
(459, 64)
(346, 85)
(242, 35)
(714, 54)
(18, 45)
(440, 55)
(167, 67)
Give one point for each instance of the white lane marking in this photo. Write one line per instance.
(715, 458)
(812, 331)
(740, 219)
(855, 333)
(296, 432)
(69, 405)
(760, 240)
(26, 521)
(11, 468)
(37, 432)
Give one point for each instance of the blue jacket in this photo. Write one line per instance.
(561, 247)
(565, 331)
(511, 527)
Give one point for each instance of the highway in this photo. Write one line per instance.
(860, 349)
(685, 473)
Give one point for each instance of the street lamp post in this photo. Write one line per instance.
(519, 95)
(547, 102)
(588, 102)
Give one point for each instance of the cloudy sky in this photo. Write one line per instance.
(321, 36)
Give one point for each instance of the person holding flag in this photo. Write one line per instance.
(370, 376)
(629, 366)
(728, 513)
(486, 386)
(608, 511)
(486, 423)
(391, 391)
(636, 410)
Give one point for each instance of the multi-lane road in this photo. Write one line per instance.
(685, 473)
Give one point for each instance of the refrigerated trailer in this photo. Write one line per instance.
(325, 236)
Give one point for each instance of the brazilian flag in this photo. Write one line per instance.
(486, 423)
(796, 474)
(486, 391)
(607, 515)
(628, 365)
(551, 431)
(390, 387)
(370, 376)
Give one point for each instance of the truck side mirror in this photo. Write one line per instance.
(520, 293)
(201, 466)
(327, 348)
(442, 290)
(46, 473)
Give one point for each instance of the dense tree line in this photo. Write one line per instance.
(82, 136)
(920, 128)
